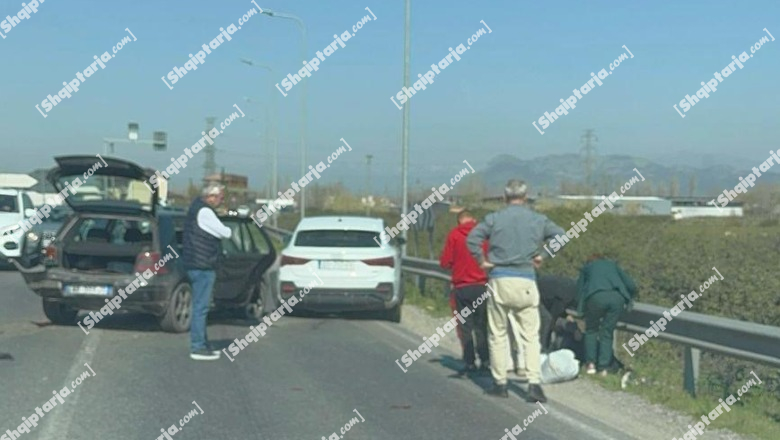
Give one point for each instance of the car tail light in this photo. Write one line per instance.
(149, 260)
(287, 288)
(287, 260)
(389, 262)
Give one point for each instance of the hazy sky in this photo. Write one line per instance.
(479, 107)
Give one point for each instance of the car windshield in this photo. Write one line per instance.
(8, 203)
(114, 190)
(336, 238)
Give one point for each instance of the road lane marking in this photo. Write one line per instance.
(57, 425)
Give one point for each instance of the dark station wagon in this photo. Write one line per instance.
(118, 231)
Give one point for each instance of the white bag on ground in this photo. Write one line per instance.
(559, 366)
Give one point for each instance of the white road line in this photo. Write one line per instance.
(56, 424)
(595, 433)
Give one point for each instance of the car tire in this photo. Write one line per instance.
(178, 314)
(59, 313)
(255, 310)
(394, 314)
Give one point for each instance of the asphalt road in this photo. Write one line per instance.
(303, 380)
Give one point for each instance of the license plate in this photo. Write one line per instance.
(70, 290)
(336, 265)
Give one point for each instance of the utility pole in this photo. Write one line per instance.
(589, 151)
(210, 165)
(368, 183)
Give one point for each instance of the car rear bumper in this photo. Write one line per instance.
(345, 300)
(152, 298)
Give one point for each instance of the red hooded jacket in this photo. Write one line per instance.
(456, 256)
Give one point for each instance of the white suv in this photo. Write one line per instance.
(15, 206)
(345, 266)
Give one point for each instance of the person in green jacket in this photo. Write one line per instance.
(604, 291)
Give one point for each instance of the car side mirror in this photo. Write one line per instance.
(29, 212)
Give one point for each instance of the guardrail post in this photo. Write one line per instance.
(691, 372)
(421, 284)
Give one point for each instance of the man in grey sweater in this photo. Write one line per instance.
(515, 234)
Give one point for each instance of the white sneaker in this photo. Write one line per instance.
(204, 355)
(591, 369)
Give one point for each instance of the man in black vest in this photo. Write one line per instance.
(202, 234)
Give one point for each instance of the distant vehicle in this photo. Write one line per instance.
(15, 206)
(100, 248)
(357, 271)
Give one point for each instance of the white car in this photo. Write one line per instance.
(346, 266)
(15, 206)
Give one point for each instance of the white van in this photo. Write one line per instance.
(15, 206)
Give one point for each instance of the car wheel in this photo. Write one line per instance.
(255, 310)
(178, 315)
(59, 313)
(394, 314)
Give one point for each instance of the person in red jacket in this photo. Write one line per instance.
(468, 284)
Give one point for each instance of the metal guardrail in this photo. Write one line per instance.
(696, 332)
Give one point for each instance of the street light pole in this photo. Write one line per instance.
(302, 28)
(274, 132)
(405, 123)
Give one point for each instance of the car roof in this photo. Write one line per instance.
(340, 222)
(9, 191)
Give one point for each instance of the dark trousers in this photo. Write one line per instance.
(549, 313)
(475, 326)
(546, 328)
(602, 311)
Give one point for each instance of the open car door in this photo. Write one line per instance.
(245, 258)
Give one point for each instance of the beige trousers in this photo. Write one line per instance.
(519, 298)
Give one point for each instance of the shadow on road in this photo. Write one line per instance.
(482, 380)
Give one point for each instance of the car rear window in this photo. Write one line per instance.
(336, 238)
(112, 231)
(8, 203)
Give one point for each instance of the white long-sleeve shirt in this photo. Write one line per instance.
(208, 221)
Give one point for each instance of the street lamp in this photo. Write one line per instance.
(304, 92)
(275, 124)
(405, 123)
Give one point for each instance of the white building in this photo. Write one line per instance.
(691, 207)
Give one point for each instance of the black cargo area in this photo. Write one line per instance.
(103, 257)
